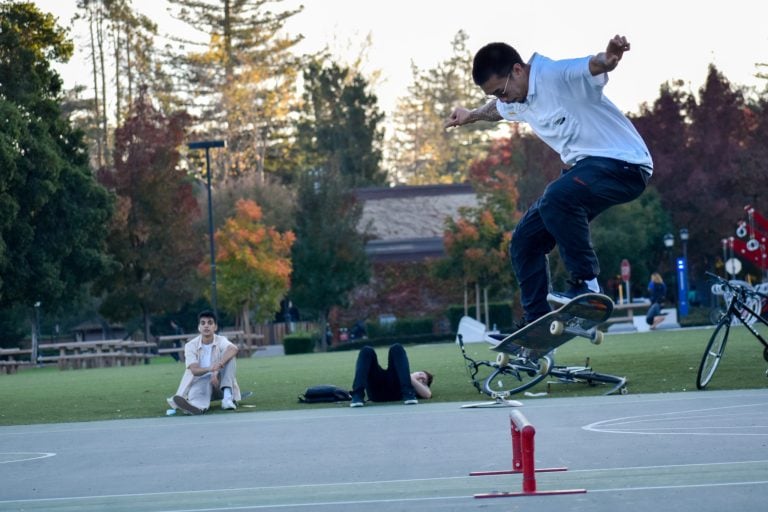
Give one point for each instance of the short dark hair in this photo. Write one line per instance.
(494, 59)
(207, 313)
(430, 378)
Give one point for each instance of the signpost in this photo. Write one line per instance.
(626, 274)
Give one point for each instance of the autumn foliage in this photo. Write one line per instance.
(253, 263)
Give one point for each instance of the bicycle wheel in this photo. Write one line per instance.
(714, 352)
(516, 376)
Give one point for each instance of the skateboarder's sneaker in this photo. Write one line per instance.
(357, 401)
(577, 287)
(228, 404)
(185, 406)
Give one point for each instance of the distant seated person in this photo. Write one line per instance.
(210, 373)
(658, 292)
(390, 385)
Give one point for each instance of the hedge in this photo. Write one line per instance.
(299, 343)
(500, 313)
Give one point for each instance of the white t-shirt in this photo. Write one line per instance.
(205, 355)
(566, 108)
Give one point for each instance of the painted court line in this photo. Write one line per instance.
(614, 425)
(24, 456)
(466, 478)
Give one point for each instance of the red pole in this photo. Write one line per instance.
(529, 472)
(517, 459)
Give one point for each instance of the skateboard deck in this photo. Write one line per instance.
(580, 317)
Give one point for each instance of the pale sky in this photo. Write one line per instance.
(671, 39)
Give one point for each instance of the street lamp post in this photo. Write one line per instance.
(669, 243)
(683, 269)
(207, 145)
(36, 334)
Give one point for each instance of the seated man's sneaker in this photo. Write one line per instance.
(356, 403)
(185, 406)
(228, 404)
(411, 400)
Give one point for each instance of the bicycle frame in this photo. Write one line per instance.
(519, 374)
(740, 301)
(740, 308)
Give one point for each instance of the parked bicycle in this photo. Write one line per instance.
(743, 305)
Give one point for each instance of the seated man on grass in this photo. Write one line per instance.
(395, 383)
(210, 372)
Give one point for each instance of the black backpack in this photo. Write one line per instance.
(325, 393)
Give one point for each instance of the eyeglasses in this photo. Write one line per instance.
(498, 95)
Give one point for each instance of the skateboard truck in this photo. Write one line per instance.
(573, 327)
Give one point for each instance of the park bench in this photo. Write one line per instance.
(96, 354)
(11, 359)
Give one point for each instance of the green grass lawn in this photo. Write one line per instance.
(664, 361)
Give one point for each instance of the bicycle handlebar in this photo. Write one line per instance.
(736, 288)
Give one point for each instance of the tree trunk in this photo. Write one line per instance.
(477, 302)
(96, 105)
(466, 299)
(100, 44)
(246, 321)
(118, 89)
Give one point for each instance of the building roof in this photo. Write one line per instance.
(407, 223)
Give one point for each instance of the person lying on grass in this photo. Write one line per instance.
(390, 385)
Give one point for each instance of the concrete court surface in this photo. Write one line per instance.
(692, 451)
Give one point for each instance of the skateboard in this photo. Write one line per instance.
(580, 317)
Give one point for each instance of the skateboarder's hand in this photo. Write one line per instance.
(458, 117)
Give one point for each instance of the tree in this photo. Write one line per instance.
(707, 163)
(631, 231)
(52, 210)
(238, 78)
(329, 258)
(477, 248)
(340, 126)
(422, 150)
(253, 265)
(122, 54)
(152, 235)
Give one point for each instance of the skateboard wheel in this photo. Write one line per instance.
(624, 390)
(543, 366)
(556, 328)
(597, 338)
(502, 359)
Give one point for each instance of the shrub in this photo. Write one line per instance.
(401, 327)
(299, 343)
(500, 313)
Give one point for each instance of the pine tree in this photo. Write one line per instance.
(340, 125)
(329, 258)
(238, 80)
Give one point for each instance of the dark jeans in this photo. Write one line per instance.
(383, 385)
(561, 217)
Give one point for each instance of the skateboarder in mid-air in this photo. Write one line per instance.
(607, 161)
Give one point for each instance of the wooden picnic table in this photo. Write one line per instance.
(625, 312)
(246, 343)
(12, 358)
(97, 354)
